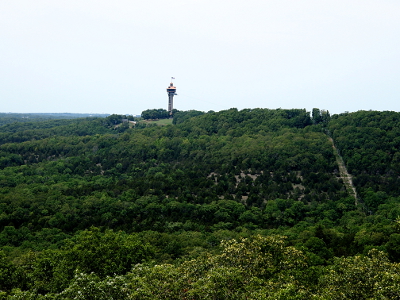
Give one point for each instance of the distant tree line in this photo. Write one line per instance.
(7, 118)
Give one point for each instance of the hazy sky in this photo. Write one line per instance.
(118, 56)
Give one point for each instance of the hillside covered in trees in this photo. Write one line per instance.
(246, 204)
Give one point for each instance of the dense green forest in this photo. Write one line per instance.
(246, 204)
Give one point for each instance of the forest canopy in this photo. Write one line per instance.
(220, 205)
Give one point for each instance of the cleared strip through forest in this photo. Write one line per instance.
(344, 174)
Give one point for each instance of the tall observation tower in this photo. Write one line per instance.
(171, 90)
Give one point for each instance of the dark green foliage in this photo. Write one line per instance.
(369, 142)
(172, 193)
(393, 247)
(181, 116)
(8, 278)
(114, 119)
(91, 251)
(320, 116)
(155, 114)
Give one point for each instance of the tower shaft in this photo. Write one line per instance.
(171, 90)
(170, 102)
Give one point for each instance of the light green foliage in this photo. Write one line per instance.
(243, 268)
(261, 256)
(17, 294)
(362, 277)
(90, 286)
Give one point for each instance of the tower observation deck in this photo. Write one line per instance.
(171, 90)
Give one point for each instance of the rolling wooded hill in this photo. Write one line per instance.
(255, 199)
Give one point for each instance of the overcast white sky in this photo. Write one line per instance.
(96, 56)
